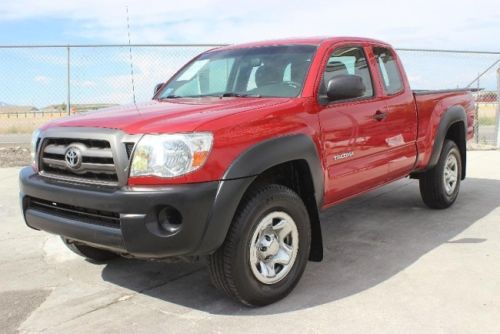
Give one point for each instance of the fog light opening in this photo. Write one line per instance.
(169, 220)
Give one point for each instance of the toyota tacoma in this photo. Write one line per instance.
(235, 156)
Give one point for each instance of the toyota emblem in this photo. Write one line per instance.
(73, 157)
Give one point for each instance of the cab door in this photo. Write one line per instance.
(400, 111)
(354, 131)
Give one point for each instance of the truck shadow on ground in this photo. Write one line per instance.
(367, 241)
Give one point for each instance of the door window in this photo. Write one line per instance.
(347, 61)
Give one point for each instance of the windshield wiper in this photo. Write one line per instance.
(226, 94)
(171, 97)
(233, 94)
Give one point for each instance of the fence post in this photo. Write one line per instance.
(68, 102)
(476, 116)
(497, 127)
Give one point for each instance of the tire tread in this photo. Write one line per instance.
(220, 263)
(431, 190)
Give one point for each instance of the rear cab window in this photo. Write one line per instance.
(389, 70)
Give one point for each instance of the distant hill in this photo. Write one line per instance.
(90, 107)
(76, 107)
(53, 108)
(11, 109)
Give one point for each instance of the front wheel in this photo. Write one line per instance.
(266, 249)
(439, 186)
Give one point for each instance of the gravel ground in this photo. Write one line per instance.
(15, 138)
(14, 155)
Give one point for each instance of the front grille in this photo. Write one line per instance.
(129, 147)
(97, 217)
(91, 162)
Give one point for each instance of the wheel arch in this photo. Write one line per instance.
(453, 126)
(276, 151)
(292, 161)
(296, 175)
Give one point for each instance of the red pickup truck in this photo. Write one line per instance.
(238, 152)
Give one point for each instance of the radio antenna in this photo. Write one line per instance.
(130, 55)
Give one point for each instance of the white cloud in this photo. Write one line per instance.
(83, 83)
(42, 79)
(426, 23)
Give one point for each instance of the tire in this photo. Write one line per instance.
(437, 187)
(243, 268)
(91, 253)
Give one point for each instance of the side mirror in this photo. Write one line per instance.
(158, 87)
(345, 87)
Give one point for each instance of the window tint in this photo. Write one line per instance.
(347, 61)
(388, 70)
(206, 77)
(277, 71)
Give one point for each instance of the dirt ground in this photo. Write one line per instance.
(14, 155)
(25, 123)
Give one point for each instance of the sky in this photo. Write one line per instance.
(405, 24)
(421, 24)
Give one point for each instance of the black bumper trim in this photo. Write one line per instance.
(138, 209)
(100, 235)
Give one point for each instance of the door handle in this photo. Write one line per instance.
(379, 115)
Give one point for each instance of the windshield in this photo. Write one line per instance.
(271, 71)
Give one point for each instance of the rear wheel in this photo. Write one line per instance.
(91, 253)
(439, 186)
(266, 249)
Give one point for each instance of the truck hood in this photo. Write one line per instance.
(164, 116)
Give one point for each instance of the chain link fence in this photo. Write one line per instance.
(39, 83)
(443, 69)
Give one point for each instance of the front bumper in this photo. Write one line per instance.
(137, 231)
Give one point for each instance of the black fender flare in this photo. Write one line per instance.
(246, 168)
(276, 151)
(452, 115)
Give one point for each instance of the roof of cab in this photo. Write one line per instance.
(301, 41)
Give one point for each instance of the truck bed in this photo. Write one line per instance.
(430, 106)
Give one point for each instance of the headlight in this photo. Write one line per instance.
(34, 141)
(170, 155)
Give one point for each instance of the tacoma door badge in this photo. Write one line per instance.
(343, 156)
